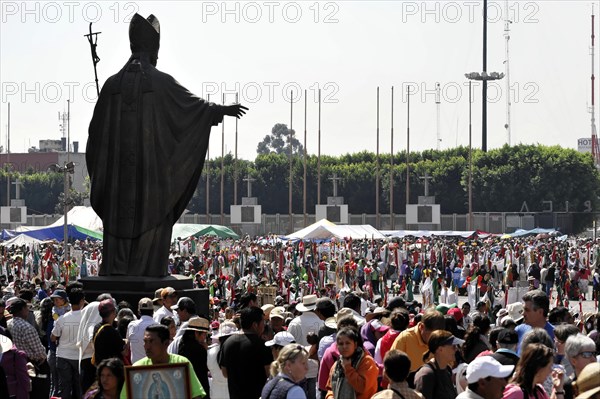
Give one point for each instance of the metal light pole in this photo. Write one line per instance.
(470, 164)
(407, 145)
(484, 77)
(377, 224)
(68, 168)
(291, 153)
(392, 166)
(484, 89)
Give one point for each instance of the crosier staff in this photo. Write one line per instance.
(93, 40)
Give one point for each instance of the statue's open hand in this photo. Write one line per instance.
(237, 110)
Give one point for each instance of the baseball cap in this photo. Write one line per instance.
(278, 311)
(166, 292)
(62, 294)
(378, 326)
(145, 304)
(185, 303)
(157, 296)
(282, 338)
(508, 336)
(267, 308)
(486, 366)
(15, 304)
(456, 313)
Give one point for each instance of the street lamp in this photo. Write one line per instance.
(69, 168)
(484, 77)
(470, 164)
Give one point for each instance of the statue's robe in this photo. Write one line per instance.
(146, 148)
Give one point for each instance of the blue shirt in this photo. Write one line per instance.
(523, 329)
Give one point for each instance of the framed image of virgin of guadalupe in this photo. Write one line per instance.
(162, 381)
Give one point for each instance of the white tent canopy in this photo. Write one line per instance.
(325, 230)
(82, 216)
(21, 239)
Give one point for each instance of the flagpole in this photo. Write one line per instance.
(222, 165)
(290, 144)
(377, 223)
(392, 167)
(235, 165)
(408, 145)
(304, 188)
(319, 155)
(208, 177)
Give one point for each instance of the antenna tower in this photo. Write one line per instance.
(507, 23)
(595, 150)
(437, 108)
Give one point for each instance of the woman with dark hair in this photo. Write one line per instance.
(354, 374)
(193, 345)
(476, 340)
(434, 379)
(170, 323)
(534, 366)
(110, 377)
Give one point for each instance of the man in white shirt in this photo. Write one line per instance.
(309, 321)
(135, 330)
(169, 298)
(64, 334)
(185, 310)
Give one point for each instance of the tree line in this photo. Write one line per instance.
(502, 180)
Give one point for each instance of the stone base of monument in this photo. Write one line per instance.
(133, 288)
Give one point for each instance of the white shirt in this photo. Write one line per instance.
(218, 384)
(135, 337)
(303, 324)
(66, 328)
(163, 312)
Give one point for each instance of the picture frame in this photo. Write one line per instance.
(161, 381)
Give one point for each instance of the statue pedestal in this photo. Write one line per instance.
(133, 288)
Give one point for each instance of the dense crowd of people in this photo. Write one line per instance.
(329, 320)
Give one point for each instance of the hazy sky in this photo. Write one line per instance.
(264, 50)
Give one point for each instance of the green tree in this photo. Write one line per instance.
(278, 142)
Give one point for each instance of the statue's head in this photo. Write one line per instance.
(144, 36)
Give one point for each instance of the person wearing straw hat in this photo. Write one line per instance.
(310, 320)
(193, 346)
(588, 385)
(218, 387)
